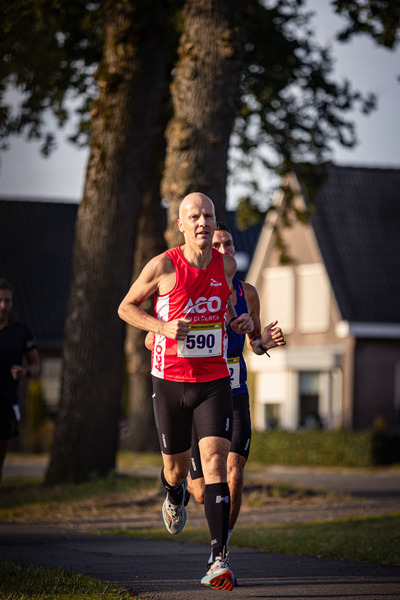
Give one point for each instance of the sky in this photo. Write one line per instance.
(26, 174)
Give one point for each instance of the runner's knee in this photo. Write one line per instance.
(235, 471)
(198, 488)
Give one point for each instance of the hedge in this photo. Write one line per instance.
(325, 448)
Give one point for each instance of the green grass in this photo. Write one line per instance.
(370, 539)
(19, 582)
(137, 460)
(19, 495)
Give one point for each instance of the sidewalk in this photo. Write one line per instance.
(172, 571)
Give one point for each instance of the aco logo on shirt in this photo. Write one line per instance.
(202, 304)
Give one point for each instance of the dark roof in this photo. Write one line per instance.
(357, 226)
(36, 257)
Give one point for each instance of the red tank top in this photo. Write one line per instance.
(200, 295)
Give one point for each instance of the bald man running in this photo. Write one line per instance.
(191, 380)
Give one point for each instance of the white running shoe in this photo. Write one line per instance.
(209, 565)
(175, 515)
(219, 575)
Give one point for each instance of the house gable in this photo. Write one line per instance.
(298, 294)
(337, 303)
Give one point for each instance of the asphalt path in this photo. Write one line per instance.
(172, 571)
(365, 483)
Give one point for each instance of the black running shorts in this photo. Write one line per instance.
(241, 434)
(177, 405)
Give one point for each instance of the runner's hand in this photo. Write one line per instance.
(176, 329)
(272, 336)
(242, 324)
(149, 340)
(17, 372)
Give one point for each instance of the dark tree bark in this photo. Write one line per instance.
(131, 81)
(205, 94)
(142, 433)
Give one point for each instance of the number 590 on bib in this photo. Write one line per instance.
(202, 340)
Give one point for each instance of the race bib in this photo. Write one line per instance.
(234, 372)
(202, 340)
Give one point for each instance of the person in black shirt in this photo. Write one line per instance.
(16, 341)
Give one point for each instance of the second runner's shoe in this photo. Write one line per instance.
(219, 575)
(175, 515)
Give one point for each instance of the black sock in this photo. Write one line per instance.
(217, 505)
(175, 494)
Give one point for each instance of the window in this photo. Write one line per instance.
(279, 298)
(272, 416)
(309, 398)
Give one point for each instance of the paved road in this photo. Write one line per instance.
(172, 571)
(18, 465)
(366, 483)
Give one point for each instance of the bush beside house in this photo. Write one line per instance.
(326, 448)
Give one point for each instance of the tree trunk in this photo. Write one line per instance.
(142, 433)
(131, 80)
(205, 95)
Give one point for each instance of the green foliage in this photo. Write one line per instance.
(248, 214)
(292, 106)
(53, 53)
(290, 101)
(53, 50)
(325, 448)
(50, 50)
(379, 19)
(19, 582)
(312, 179)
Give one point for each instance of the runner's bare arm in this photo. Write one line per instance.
(157, 276)
(272, 336)
(19, 372)
(253, 306)
(243, 323)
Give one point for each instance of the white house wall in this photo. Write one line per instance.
(277, 382)
(313, 298)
